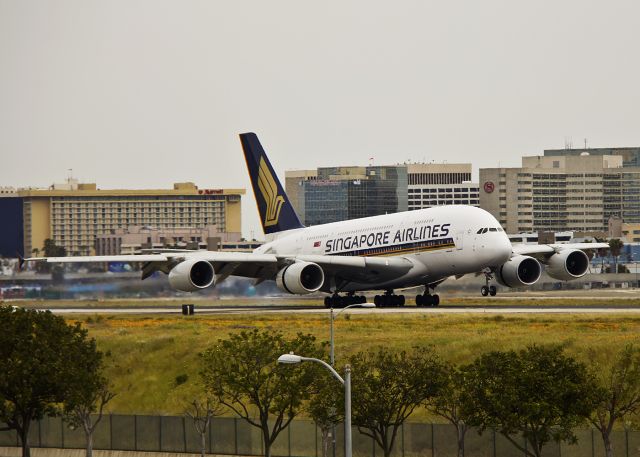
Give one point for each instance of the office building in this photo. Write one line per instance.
(431, 184)
(11, 225)
(562, 192)
(630, 156)
(334, 194)
(74, 214)
(339, 193)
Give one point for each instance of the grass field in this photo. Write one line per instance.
(148, 353)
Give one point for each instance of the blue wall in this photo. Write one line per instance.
(11, 227)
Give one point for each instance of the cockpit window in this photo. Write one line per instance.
(487, 229)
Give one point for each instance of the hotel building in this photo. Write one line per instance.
(73, 215)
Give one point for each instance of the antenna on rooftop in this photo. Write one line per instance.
(585, 143)
(568, 142)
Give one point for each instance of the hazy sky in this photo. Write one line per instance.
(141, 94)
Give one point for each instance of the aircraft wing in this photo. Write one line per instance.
(258, 266)
(546, 250)
(100, 258)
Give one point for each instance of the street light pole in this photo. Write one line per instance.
(346, 382)
(331, 354)
(347, 411)
(332, 359)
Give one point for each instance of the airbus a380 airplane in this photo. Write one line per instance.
(389, 252)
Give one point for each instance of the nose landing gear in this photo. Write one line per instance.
(487, 289)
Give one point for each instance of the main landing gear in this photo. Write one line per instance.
(487, 289)
(426, 299)
(337, 301)
(389, 300)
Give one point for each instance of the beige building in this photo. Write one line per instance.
(8, 191)
(558, 193)
(136, 239)
(631, 233)
(74, 214)
(294, 187)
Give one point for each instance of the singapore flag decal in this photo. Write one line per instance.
(316, 244)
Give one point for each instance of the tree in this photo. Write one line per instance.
(447, 403)
(51, 249)
(602, 252)
(201, 412)
(326, 407)
(620, 394)
(615, 246)
(39, 353)
(243, 374)
(88, 394)
(389, 387)
(538, 392)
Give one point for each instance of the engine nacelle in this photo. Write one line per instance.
(192, 275)
(519, 271)
(300, 278)
(568, 264)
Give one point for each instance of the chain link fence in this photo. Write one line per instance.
(302, 438)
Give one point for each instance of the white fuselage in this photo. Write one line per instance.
(440, 242)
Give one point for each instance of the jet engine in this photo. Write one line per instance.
(519, 271)
(192, 275)
(300, 278)
(567, 264)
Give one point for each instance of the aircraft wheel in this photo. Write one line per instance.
(493, 291)
(484, 290)
(435, 301)
(327, 302)
(363, 299)
(377, 301)
(419, 302)
(402, 300)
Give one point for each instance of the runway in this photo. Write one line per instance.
(209, 310)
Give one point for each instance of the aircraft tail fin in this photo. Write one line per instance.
(276, 212)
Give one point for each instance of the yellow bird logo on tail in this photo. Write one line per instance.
(269, 190)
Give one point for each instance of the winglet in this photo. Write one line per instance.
(276, 212)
